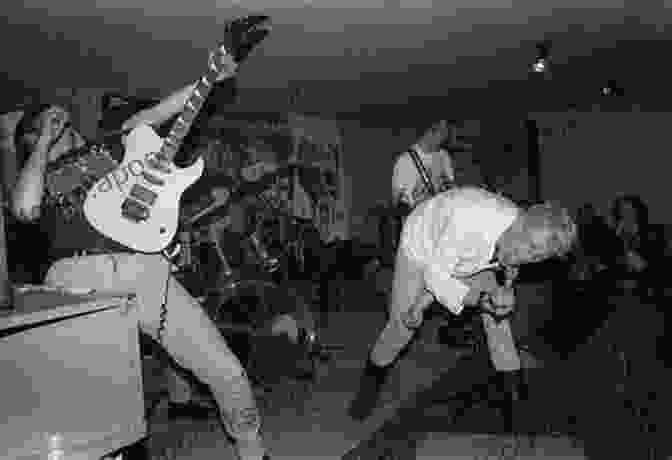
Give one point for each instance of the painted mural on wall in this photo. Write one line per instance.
(252, 147)
(299, 157)
(302, 156)
(8, 123)
(318, 147)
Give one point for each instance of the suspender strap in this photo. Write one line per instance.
(424, 175)
(64, 129)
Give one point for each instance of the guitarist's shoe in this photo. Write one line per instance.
(243, 34)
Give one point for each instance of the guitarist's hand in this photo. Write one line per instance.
(224, 62)
(243, 34)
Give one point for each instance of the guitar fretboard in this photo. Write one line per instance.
(180, 128)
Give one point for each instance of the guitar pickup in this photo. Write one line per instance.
(132, 210)
(158, 163)
(152, 179)
(142, 194)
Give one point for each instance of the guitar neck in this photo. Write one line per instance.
(192, 107)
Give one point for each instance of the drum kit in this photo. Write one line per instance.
(245, 280)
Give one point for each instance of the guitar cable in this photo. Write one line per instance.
(163, 310)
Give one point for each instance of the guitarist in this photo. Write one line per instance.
(424, 169)
(418, 173)
(446, 244)
(85, 259)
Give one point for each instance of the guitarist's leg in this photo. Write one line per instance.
(188, 335)
(196, 344)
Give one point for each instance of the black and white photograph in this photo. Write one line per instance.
(338, 230)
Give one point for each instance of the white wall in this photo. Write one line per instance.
(596, 156)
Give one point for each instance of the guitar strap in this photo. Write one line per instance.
(61, 133)
(422, 170)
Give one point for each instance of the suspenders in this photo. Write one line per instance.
(424, 174)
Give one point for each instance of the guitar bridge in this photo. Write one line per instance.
(152, 179)
(134, 211)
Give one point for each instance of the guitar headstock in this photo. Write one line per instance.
(243, 34)
(240, 37)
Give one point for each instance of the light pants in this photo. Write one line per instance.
(190, 337)
(408, 286)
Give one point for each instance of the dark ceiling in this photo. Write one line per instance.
(372, 58)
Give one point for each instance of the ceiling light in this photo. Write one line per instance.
(542, 62)
(539, 66)
(612, 89)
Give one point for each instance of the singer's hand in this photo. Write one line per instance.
(413, 318)
(483, 282)
(511, 273)
(500, 301)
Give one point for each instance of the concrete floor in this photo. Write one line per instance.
(302, 422)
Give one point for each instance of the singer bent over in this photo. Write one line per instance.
(447, 244)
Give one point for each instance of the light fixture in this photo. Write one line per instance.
(612, 89)
(542, 62)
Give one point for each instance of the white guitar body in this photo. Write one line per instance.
(153, 196)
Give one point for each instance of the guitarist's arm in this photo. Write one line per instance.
(240, 37)
(29, 188)
(174, 103)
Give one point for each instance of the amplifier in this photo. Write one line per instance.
(70, 371)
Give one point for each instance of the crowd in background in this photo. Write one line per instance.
(618, 256)
(623, 251)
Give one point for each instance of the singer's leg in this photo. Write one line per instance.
(506, 361)
(407, 288)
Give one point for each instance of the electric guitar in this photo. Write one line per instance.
(137, 203)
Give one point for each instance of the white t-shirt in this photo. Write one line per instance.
(407, 185)
(453, 235)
